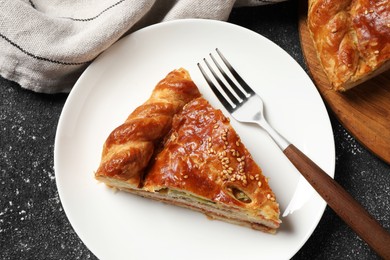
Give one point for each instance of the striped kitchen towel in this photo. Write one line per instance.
(46, 45)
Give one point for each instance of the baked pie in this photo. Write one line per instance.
(351, 38)
(188, 156)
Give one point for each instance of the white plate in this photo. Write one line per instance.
(117, 225)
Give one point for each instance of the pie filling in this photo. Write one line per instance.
(210, 208)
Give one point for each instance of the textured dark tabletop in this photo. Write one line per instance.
(33, 224)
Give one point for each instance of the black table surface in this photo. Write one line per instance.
(33, 224)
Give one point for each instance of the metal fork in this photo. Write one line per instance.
(246, 106)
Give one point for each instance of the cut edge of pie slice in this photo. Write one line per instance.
(203, 165)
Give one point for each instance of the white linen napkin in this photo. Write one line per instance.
(46, 45)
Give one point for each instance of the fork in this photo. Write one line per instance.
(246, 106)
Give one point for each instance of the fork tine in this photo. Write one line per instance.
(237, 76)
(221, 98)
(231, 83)
(223, 86)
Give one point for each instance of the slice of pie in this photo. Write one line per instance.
(200, 164)
(351, 38)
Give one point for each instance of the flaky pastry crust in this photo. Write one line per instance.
(178, 149)
(129, 148)
(204, 158)
(351, 38)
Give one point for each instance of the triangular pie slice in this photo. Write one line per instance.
(201, 164)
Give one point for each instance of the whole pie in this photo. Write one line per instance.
(351, 38)
(178, 149)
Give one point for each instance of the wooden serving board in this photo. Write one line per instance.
(363, 110)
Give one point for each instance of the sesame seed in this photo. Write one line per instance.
(185, 176)
(232, 179)
(238, 143)
(216, 126)
(268, 196)
(239, 159)
(259, 184)
(244, 182)
(209, 139)
(251, 177)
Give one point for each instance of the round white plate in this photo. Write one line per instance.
(117, 225)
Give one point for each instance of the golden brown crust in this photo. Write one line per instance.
(178, 149)
(204, 157)
(129, 148)
(351, 38)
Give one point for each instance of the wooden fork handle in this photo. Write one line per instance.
(342, 203)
